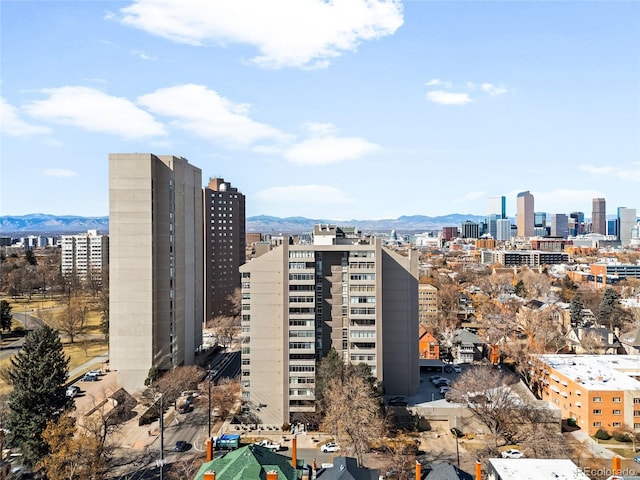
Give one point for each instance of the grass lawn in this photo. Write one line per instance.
(79, 353)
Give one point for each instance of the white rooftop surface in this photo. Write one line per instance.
(598, 372)
(537, 469)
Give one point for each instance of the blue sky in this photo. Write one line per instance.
(340, 110)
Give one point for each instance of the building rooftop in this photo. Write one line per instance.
(537, 469)
(598, 372)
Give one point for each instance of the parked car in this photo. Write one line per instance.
(448, 369)
(95, 372)
(444, 390)
(443, 382)
(398, 402)
(512, 453)
(72, 391)
(457, 369)
(180, 446)
(330, 447)
(636, 459)
(89, 377)
(456, 432)
(433, 378)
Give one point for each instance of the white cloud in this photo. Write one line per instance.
(436, 82)
(95, 111)
(324, 150)
(204, 113)
(143, 55)
(492, 89)
(13, 126)
(320, 128)
(58, 172)
(631, 173)
(448, 98)
(310, 200)
(287, 33)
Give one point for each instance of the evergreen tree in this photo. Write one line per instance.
(520, 289)
(38, 373)
(5, 315)
(575, 310)
(608, 308)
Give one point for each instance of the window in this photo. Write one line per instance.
(597, 412)
(636, 401)
(636, 413)
(597, 399)
(617, 412)
(617, 399)
(636, 426)
(597, 424)
(616, 424)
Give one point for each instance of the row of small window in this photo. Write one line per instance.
(301, 345)
(363, 300)
(301, 265)
(302, 299)
(356, 277)
(302, 276)
(302, 381)
(301, 254)
(362, 254)
(302, 334)
(302, 392)
(599, 412)
(614, 399)
(363, 265)
(362, 358)
(615, 424)
(363, 311)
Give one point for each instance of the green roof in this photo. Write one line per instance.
(250, 462)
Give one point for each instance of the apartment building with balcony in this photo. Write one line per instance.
(84, 255)
(301, 301)
(598, 391)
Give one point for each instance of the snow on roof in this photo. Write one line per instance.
(537, 469)
(598, 372)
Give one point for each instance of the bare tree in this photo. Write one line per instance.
(224, 396)
(487, 394)
(353, 414)
(72, 320)
(175, 381)
(184, 469)
(591, 343)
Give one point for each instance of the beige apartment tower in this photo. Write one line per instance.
(156, 264)
(300, 301)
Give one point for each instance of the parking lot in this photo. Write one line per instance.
(428, 392)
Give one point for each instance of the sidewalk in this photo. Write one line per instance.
(597, 449)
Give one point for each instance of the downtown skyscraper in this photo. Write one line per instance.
(525, 214)
(599, 216)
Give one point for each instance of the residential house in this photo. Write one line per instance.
(346, 468)
(467, 346)
(594, 340)
(631, 342)
(429, 346)
(251, 461)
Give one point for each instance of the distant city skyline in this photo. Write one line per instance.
(415, 108)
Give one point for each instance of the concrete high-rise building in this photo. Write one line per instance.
(301, 301)
(85, 255)
(524, 215)
(225, 245)
(503, 230)
(559, 225)
(626, 221)
(576, 223)
(470, 229)
(599, 216)
(156, 264)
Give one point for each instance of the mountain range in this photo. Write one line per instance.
(39, 223)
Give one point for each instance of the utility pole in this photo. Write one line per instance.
(160, 461)
(209, 416)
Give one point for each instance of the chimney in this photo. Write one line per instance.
(615, 464)
(478, 471)
(272, 475)
(209, 475)
(610, 338)
(294, 451)
(209, 449)
(580, 333)
(418, 470)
